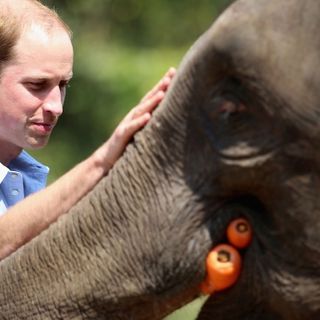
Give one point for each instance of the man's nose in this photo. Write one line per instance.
(54, 102)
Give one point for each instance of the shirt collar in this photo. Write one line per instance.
(34, 173)
(25, 162)
(3, 172)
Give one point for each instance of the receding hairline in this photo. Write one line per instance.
(17, 17)
(29, 12)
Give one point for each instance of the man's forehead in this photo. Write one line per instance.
(38, 53)
(36, 37)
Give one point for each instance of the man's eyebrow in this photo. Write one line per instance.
(35, 78)
(46, 78)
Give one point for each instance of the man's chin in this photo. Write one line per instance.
(36, 144)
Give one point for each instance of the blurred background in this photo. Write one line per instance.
(122, 48)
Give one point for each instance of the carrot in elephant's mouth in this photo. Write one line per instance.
(223, 263)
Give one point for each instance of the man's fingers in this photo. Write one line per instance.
(148, 105)
(162, 85)
(125, 132)
(136, 118)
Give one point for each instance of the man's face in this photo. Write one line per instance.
(33, 88)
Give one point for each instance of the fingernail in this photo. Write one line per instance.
(172, 70)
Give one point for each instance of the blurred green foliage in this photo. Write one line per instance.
(122, 48)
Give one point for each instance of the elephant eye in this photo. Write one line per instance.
(229, 119)
(227, 108)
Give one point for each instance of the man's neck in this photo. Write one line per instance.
(8, 152)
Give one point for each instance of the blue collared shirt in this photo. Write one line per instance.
(23, 176)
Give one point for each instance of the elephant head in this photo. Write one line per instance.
(236, 135)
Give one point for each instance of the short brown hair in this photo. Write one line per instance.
(16, 16)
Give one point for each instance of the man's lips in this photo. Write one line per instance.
(43, 127)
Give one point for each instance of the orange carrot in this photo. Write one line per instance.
(239, 233)
(223, 268)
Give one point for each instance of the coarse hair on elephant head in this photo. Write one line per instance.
(236, 135)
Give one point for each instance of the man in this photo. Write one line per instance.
(36, 59)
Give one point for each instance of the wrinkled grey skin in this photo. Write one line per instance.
(237, 135)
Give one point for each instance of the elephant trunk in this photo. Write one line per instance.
(121, 250)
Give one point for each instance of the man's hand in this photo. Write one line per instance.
(111, 151)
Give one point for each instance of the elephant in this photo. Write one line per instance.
(235, 136)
